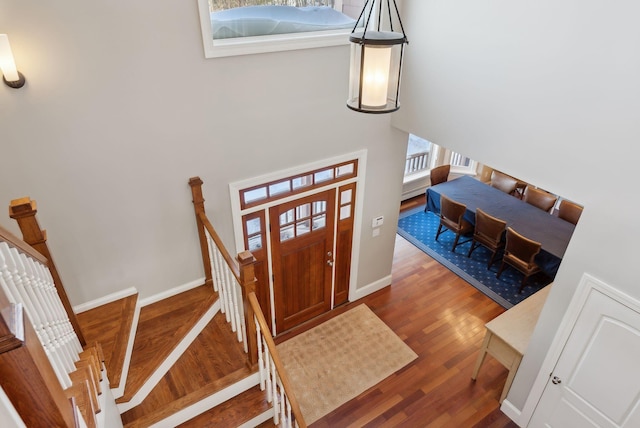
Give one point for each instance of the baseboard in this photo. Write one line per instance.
(171, 359)
(171, 292)
(210, 402)
(511, 411)
(370, 288)
(119, 391)
(83, 307)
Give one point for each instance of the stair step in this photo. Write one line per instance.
(234, 412)
(161, 327)
(213, 361)
(110, 325)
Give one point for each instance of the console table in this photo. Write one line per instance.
(507, 335)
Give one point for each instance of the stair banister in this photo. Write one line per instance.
(24, 211)
(275, 369)
(26, 374)
(222, 271)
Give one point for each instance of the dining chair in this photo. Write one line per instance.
(439, 174)
(539, 198)
(569, 211)
(504, 182)
(489, 232)
(451, 218)
(519, 253)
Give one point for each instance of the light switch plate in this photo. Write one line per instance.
(377, 222)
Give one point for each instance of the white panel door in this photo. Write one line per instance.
(596, 382)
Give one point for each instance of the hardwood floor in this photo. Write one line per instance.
(441, 317)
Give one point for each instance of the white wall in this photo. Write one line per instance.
(120, 108)
(547, 91)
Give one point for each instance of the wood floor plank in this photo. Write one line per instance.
(110, 325)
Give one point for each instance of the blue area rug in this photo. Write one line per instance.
(420, 229)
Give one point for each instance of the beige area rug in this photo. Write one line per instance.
(341, 358)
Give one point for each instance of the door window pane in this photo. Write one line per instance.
(286, 217)
(253, 226)
(255, 195)
(255, 243)
(286, 233)
(303, 211)
(304, 181)
(282, 187)
(344, 170)
(319, 221)
(319, 207)
(345, 211)
(303, 227)
(345, 196)
(325, 175)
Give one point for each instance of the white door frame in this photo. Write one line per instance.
(587, 284)
(237, 212)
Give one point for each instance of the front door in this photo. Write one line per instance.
(595, 382)
(302, 258)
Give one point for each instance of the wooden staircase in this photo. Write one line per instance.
(172, 360)
(212, 362)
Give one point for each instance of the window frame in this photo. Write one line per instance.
(263, 44)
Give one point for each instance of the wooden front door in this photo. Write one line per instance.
(302, 258)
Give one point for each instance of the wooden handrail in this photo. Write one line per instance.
(223, 250)
(22, 246)
(24, 211)
(282, 373)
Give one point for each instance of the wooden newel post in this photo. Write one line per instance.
(248, 285)
(24, 211)
(198, 206)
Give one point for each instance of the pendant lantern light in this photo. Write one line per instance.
(376, 59)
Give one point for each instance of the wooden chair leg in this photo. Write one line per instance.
(524, 282)
(493, 256)
(455, 242)
(439, 231)
(500, 270)
(474, 245)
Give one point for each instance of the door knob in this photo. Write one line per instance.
(330, 262)
(556, 380)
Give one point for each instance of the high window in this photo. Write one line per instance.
(236, 27)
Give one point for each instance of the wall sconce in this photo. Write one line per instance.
(376, 61)
(11, 76)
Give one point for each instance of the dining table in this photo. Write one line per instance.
(551, 231)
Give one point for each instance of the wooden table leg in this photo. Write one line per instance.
(512, 373)
(482, 355)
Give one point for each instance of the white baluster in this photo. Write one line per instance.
(237, 297)
(276, 398)
(222, 291)
(63, 351)
(13, 281)
(260, 359)
(38, 306)
(229, 281)
(215, 273)
(267, 358)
